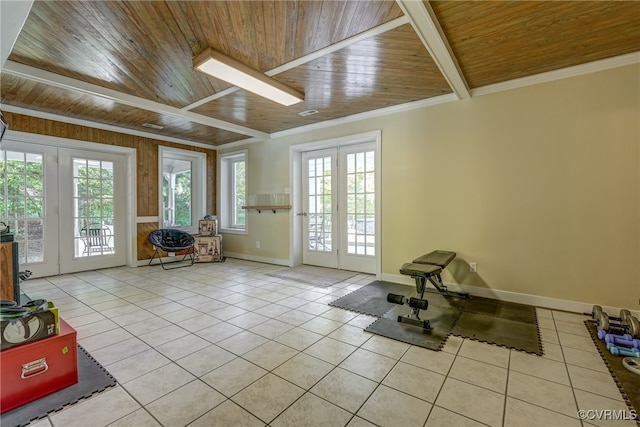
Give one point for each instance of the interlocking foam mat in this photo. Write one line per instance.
(372, 298)
(627, 381)
(92, 379)
(501, 323)
(441, 320)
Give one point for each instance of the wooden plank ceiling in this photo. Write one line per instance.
(129, 63)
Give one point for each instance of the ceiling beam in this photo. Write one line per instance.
(48, 78)
(424, 22)
(375, 31)
(13, 15)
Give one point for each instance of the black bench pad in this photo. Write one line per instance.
(439, 258)
(420, 270)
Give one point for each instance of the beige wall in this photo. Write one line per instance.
(540, 186)
(268, 173)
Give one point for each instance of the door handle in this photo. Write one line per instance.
(301, 214)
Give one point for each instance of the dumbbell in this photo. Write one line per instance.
(623, 351)
(630, 325)
(396, 299)
(596, 310)
(421, 304)
(622, 340)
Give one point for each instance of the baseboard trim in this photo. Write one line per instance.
(534, 300)
(245, 257)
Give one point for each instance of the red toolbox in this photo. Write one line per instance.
(31, 371)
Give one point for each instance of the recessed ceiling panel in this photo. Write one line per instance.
(24, 93)
(496, 41)
(145, 48)
(385, 70)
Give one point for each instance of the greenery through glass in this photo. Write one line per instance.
(22, 201)
(94, 186)
(240, 193)
(181, 203)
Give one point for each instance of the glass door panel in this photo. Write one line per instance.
(22, 202)
(319, 205)
(93, 214)
(358, 212)
(360, 206)
(27, 171)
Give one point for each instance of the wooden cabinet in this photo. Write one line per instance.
(9, 284)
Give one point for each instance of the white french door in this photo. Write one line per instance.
(320, 208)
(28, 172)
(92, 210)
(66, 208)
(339, 207)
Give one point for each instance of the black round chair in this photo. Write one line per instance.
(172, 240)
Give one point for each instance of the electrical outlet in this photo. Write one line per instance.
(257, 244)
(473, 267)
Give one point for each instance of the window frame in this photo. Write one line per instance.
(198, 184)
(227, 191)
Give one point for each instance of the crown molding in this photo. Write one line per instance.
(564, 73)
(436, 100)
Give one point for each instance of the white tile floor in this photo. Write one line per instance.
(226, 345)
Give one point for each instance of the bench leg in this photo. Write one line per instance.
(436, 281)
(416, 305)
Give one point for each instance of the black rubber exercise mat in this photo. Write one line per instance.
(627, 381)
(437, 299)
(502, 323)
(499, 331)
(92, 378)
(441, 320)
(371, 299)
(501, 309)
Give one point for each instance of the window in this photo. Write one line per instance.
(182, 184)
(233, 191)
(22, 201)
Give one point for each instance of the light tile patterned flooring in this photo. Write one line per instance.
(226, 345)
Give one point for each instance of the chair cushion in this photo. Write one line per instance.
(171, 240)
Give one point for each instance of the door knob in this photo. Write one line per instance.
(301, 214)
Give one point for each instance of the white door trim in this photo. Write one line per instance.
(130, 173)
(295, 178)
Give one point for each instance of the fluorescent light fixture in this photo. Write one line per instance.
(238, 74)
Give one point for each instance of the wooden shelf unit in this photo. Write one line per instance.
(273, 208)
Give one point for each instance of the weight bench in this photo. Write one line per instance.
(427, 267)
(422, 269)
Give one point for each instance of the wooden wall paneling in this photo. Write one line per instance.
(148, 186)
(145, 249)
(212, 165)
(8, 250)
